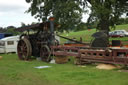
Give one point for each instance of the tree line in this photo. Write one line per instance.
(81, 26)
(13, 30)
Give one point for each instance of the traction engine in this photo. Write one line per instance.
(37, 42)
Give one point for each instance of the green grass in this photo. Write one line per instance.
(86, 34)
(121, 27)
(16, 72)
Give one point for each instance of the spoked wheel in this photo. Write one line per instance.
(45, 53)
(24, 49)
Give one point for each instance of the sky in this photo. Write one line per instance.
(12, 13)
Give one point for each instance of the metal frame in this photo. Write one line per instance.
(85, 54)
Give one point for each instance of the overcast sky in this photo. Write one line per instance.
(12, 13)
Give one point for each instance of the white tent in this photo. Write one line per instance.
(9, 44)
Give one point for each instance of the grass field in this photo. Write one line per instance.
(16, 72)
(86, 34)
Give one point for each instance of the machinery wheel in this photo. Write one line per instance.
(24, 49)
(45, 53)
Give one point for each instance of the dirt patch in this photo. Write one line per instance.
(0, 57)
(106, 66)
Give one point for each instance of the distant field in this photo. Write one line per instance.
(16, 72)
(86, 34)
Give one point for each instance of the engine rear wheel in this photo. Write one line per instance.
(24, 49)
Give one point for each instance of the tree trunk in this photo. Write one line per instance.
(104, 26)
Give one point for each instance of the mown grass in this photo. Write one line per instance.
(86, 34)
(16, 72)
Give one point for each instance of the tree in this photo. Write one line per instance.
(126, 20)
(11, 29)
(107, 12)
(2, 30)
(66, 12)
(81, 26)
(23, 24)
(69, 12)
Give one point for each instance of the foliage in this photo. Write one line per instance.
(23, 24)
(122, 21)
(107, 12)
(12, 31)
(68, 13)
(2, 30)
(81, 26)
(9, 29)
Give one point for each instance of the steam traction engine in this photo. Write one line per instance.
(38, 42)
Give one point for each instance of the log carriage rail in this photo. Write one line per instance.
(83, 54)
